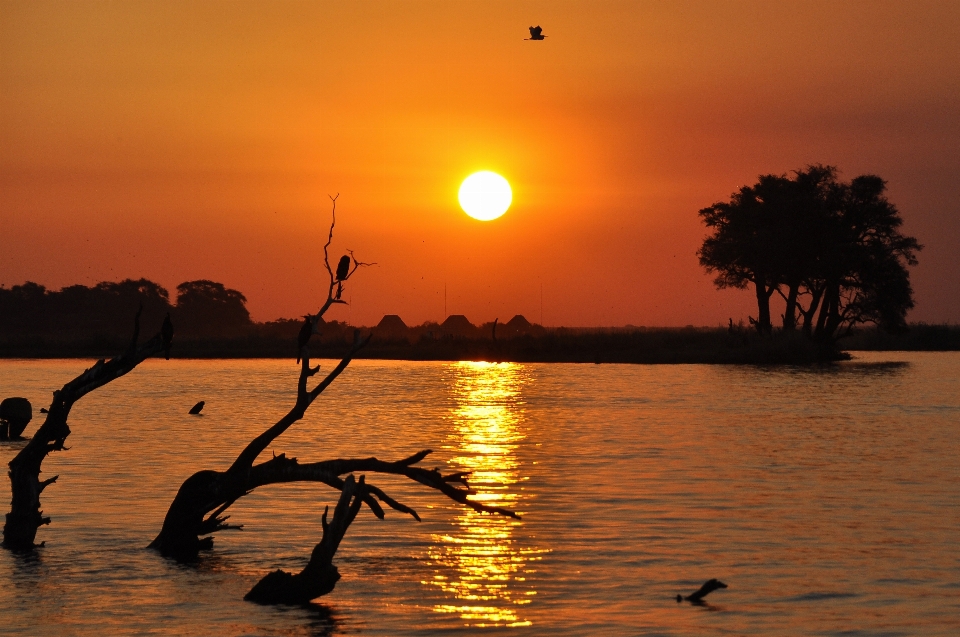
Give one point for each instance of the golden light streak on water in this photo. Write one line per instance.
(479, 563)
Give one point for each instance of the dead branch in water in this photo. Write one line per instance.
(25, 516)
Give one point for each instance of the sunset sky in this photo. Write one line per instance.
(179, 141)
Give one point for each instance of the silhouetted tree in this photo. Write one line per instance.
(209, 308)
(742, 249)
(23, 308)
(78, 310)
(862, 275)
(832, 250)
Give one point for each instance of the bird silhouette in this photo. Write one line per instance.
(697, 596)
(343, 268)
(536, 33)
(306, 331)
(166, 333)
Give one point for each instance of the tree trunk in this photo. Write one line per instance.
(816, 296)
(828, 306)
(763, 307)
(25, 516)
(790, 313)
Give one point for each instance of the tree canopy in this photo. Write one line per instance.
(209, 308)
(203, 308)
(833, 250)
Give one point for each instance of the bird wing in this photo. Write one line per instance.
(535, 31)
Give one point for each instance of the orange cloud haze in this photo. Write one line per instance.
(200, 140)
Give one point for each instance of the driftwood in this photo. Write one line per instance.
(320, 575)
(697, 596)
(25, 516)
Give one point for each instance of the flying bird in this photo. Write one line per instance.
(166, 334)
(343, 268)
(536, 33)
(306, 331)
(708, 587)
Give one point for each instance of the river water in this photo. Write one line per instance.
(828, 499)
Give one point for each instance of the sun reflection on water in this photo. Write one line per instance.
(480, 563)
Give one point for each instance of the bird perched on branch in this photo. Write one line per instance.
(306, 331)
(697, 596)
(343, 271)
(343, 268)
(166, 333)
(536, 33)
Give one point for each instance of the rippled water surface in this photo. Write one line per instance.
(827, 499)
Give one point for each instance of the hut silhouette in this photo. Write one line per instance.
(519, 322)
(391, 326)
(517, 326)
(457, 326)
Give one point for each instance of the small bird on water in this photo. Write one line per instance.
(536, 33)
(697, 596)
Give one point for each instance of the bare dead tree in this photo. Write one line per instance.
(25, 516)
(212, 492)
(198, 509)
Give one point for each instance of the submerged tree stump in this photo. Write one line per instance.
(15, 414)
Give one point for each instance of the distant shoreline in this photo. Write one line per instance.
(557, 345)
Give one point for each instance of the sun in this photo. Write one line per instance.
(485, 195)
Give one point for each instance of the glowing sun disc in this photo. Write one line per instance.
(485, 195)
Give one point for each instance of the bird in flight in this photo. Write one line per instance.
(536, 33)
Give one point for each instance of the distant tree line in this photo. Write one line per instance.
(832, 250)
(203, 309)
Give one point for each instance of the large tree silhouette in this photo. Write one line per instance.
(209, 308)
(833, 250)
(78, 311)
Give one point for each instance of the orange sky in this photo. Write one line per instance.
(200, 140)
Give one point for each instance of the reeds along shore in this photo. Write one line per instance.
(533, 343)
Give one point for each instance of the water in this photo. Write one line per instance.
(828, 500)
